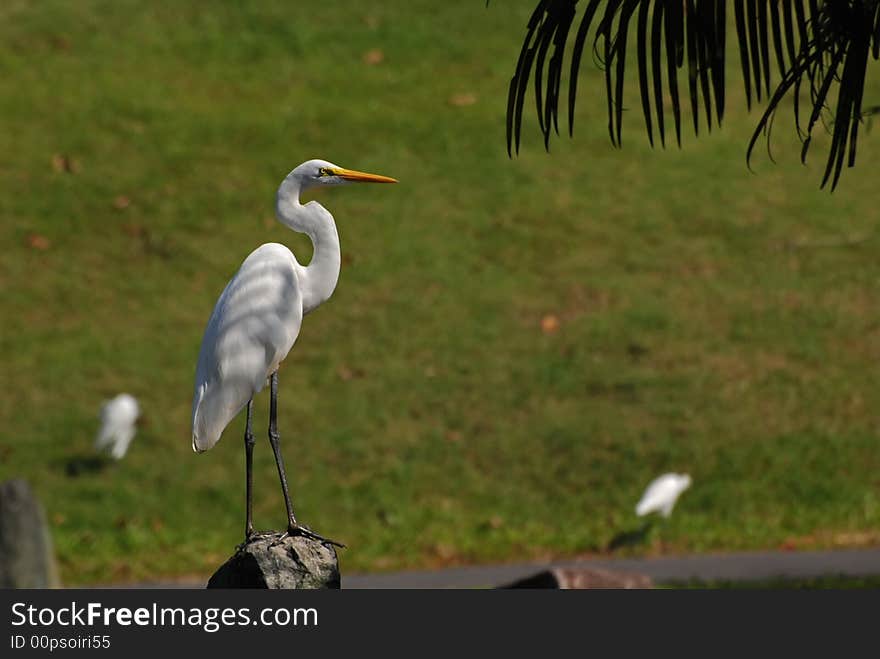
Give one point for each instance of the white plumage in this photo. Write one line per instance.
(662, 493)
(257, 318)
(118, 418)
(254, 325)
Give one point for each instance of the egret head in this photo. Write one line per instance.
(313, 173)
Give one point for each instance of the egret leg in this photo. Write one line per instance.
(293, 527)
(249, 442)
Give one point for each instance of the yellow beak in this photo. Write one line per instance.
(352, 175)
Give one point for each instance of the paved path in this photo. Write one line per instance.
(705, 567)
(737, 567)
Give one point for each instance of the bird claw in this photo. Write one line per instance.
(305, 532)
(250, 537)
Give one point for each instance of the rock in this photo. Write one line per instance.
(295, 562)
(26, 557)
(582, 578)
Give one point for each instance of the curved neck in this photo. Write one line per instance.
(317, 279)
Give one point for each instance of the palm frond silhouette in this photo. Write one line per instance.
(823, 48)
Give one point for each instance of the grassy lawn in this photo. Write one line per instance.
(515, 348)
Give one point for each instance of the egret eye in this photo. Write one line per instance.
(324, 171)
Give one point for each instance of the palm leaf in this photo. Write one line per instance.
(825, 44)
(844, 36)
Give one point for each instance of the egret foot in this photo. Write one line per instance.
(253, 536)
(306, 532)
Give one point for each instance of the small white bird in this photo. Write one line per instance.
(661, 495)
(118, 417)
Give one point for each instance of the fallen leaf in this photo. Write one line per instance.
(37, 241)
(443, 551)
(345, 373)
(59, 42)
(62, 163)
(374, 56)
(383, 562)
(58, 519)
(135, 230)
(463, 99)
(549, 324)
(494, 522)
(121, 202)
(371, 21)
(454, 436)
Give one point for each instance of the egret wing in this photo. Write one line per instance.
(252, 328)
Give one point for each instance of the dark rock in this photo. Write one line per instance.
(26, 557)
(266, 562)
(582, 578)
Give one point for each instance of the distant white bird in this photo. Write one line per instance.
(257, 320)
(118, 418)
(661, 495)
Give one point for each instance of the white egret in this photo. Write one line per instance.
(662, 493)
(257, 318)
(118, 418)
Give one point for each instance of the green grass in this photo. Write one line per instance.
(426, 419)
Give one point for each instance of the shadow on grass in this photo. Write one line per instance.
(80, 465)
(632, 537)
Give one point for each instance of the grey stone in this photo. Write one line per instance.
(26, 557)
(583, 578)
(266, 562)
